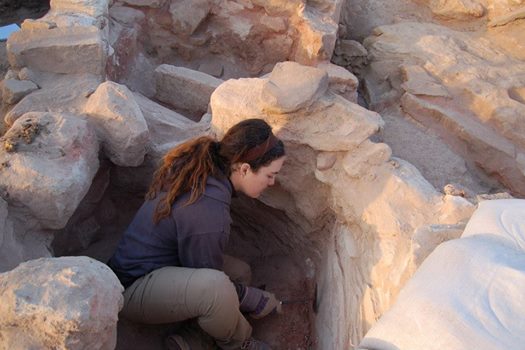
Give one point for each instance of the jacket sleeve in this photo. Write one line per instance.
(203, 230)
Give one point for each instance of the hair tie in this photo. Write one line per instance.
(261, 149)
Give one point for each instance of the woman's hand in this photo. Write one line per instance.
(259, 303)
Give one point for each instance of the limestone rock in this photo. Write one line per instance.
(188, 14)
(10, 74)
(366, 156)
(457, 9)
(59, 50)
(342, 82)
(120, 123)
(418, 82)
(49, 161)
(10, 251)
(57, 93)
(508, 17)
(427, 238)
(273, 7)
(19, 243)
(350, 54)
(126, 15)
(457, 94)
(166, 127)
(345, 125)
(212, 68)
(145, 3)
(63, 20)
(185, 89)
(14, 90)
(325, 160)
(95, 8)
(292, 86)
(60, 303)
(317, 39)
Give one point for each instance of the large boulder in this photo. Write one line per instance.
(77, 49)
(185, 89)
(57, 93)
(14, 90)
(48, 161)
(120, 123)
(167, 128)
(60, 303)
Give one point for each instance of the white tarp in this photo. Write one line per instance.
(469, 294)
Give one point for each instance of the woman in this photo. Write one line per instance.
(171, 257)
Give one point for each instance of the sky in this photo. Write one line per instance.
(6, 30)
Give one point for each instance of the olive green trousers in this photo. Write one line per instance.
(173, 294)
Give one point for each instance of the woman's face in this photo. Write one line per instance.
(253, 183)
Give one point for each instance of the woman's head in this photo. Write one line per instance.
(253, 156)
(248, 154)
(250, 141)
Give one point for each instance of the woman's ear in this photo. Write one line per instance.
(244, 168)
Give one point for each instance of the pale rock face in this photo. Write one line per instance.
(126, 15)
(146, 3)
(456, 9)
(94, 8)
(317, 40)
(188, 14)
(14, 90)
(461, 85)
(274, 7)
(427, 238)
(417, 81)
(63, 20)
(342, 82)
(19, 244)
(166, 127)
(120, 123)
(185, 89)
(292, 86)
(59, 50)
(49, 161)
(57, 93)
(507, 18)
(60, 303)
(368, 253)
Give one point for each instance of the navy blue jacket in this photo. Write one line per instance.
(194, 235)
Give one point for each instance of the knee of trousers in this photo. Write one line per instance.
(210, 291)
